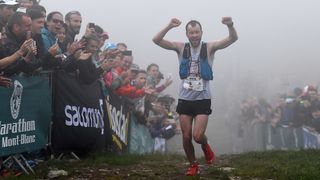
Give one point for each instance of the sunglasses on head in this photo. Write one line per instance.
(57, 21)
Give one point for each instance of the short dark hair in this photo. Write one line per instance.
(16, 18)
(51, 14)
(193, 23)
(142, 71)
(36, 8)
(92, 37)
(122, 44)
(35, 13)
(98, 29)
(69, 14)
(150, 65)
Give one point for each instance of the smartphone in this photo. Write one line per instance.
(91, 25)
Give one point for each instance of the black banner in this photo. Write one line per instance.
(119, 120)
(79, 115)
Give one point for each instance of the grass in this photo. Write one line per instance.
(286, 165)
(295, 165)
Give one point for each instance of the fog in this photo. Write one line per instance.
(277, 49)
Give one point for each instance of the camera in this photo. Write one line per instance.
(91, 25)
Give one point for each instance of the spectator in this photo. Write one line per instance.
(89, 70)
(120, 73)
(61, 36)
(153, 71)
(73, 20)
(19, 25)
(7, 8)
(122, 46)
(24, 5)
(53, 25)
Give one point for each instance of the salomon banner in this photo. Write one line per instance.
(79, 115)
(25, 114)
(119, 120)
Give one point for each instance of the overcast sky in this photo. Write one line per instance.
(276, 38)
(278, 46)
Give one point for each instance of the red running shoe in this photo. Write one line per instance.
(193, 169)
(208, 154)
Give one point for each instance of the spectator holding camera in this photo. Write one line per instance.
(18, 50)
(89, 69)
(49, 32)
(7, 8)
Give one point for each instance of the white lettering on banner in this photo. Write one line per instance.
(17, 127)
(85, 117)
(15, 141)
(16, 98)
(119, 122)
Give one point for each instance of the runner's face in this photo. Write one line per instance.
(194, 34)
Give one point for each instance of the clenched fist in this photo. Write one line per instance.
(174, 22)
(227, 21)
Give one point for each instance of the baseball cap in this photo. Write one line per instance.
(8, 2)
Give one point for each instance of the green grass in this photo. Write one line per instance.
(295, 165)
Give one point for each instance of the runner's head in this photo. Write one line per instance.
(194, 32)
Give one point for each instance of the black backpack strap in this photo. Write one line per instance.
(203, 51)
(186, 51)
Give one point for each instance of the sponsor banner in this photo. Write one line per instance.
(25, 114)
(79, 115)
(119, 120)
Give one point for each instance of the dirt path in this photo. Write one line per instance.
(147, 169)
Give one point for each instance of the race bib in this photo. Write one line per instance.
(193, 83)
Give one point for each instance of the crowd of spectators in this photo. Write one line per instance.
(263, 126)
(33, 41)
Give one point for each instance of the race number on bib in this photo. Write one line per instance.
(193, 83)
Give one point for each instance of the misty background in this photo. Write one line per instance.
(277, 50)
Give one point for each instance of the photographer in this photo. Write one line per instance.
(90, 69)
(18, 51)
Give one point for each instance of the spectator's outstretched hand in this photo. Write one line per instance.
(5, 82)
(149, 90)
(54, 50)
(24, 48)
(168, 82)
(89, 31)
(76, 45)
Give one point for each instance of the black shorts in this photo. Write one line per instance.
(194, 108)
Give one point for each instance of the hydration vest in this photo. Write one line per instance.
(205, 69)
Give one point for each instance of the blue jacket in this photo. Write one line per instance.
(48, 38)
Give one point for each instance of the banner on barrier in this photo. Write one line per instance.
(119, 120)
(25, 114)
(79, 115)
(311, 139)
